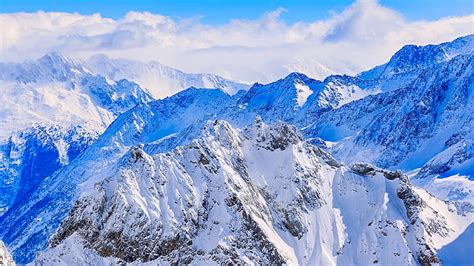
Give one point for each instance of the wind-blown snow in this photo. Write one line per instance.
(160, 80)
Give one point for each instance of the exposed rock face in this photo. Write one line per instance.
(5, 256)
(368, 169)
(402, 115)
(117, 98)
(256, 195)
(30, 156)
(438, 104)
(414, 205)
(425, 123)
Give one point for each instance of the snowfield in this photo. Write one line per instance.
(112, 161)
(259, 195)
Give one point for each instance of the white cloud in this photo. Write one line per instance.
(363, 35)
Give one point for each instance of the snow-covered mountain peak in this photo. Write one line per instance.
(424, 124)
(57, 60)
(191, 179)
(226, 197)
(277, 136)
(55, 89)
(296, 77)
(159, 79)
(414, 57)
(312, 68)
(51, 67)
(280, 99)
(462, 45)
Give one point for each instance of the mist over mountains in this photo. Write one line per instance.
(132, 162)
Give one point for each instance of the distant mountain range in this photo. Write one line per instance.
(297, 171)
(59, 90)
(158, 79)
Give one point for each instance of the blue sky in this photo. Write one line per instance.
(246, 41)
(218, 12)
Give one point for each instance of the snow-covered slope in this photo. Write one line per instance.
(143, 124)
(51, 110)
(408, 127)
(440, 100)
(417, 117)
(413, 58)
(296, 98)
(450, 173)
(260, 195)
(50, 67)
(280, 99)
(31, 155)
(159, 79)
(56, 90)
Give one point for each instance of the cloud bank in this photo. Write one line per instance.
(363, 35)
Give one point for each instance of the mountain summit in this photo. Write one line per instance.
(375, 168)
(260, 194)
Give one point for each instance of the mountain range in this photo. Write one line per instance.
(365, 169)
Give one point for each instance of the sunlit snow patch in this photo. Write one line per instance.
(302, 92)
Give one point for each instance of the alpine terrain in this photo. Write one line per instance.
(376, 168)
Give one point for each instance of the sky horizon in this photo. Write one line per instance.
(220, 12)
(247, 43)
